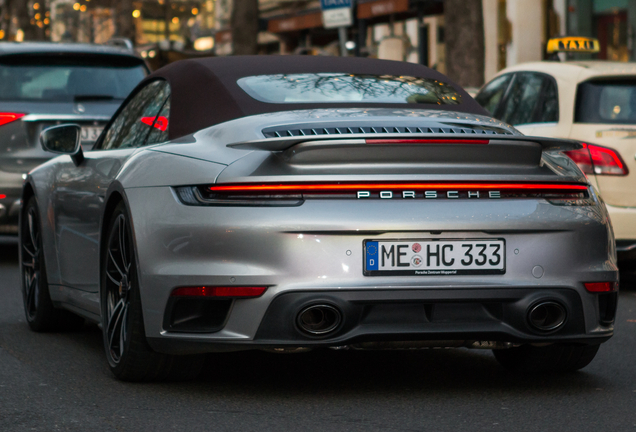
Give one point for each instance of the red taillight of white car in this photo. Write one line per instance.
(598, 160)
(6, 117)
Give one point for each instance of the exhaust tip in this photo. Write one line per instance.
(547, 316)
(319, 320)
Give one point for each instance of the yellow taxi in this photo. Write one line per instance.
(593, 102)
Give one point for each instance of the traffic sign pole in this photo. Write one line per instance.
(342, 34)
(338, 13)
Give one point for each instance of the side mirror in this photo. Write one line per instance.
(64, 139)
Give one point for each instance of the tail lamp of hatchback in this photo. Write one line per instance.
(7, 117)
(598, 160)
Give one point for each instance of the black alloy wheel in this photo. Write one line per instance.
(118, 285)
(40, 313)
(129, 356)
(31, 259)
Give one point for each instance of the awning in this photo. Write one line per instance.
(378, 8)
(295, 23)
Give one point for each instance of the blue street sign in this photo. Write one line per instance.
(334, 4)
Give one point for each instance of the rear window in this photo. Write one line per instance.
(606, 101)
(348, 88)
(72, 78)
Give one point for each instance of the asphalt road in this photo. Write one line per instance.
(51, 382)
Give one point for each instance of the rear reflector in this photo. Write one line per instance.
(427, 141)
(594, 159)
(219, 292)
(598, 287)
(278, 188)
(6, 118)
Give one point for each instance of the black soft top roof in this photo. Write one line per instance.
(204, 92)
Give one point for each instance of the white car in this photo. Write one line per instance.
(593, 102)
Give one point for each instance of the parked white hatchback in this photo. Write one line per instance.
(590, 101)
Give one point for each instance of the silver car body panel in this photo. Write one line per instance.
(317, 246)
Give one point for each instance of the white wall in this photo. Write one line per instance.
(436, 55)
(526, 18)
(490, 38)
(561, 9)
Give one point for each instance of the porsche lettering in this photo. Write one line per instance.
(431, 194)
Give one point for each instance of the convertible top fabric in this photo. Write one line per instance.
(204, 92)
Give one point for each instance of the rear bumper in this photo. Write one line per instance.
(314, 252)
(443, 317)
(10, 213)
(626, 246)
(11, 184)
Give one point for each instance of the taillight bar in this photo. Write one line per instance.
(6, 117)
(219, 291)
(277, 188)
(427, 141)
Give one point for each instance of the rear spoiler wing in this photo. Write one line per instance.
(284, 143)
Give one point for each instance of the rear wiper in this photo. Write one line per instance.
(79, 98)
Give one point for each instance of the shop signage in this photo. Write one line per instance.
(382, 7)
(334, 4)
(336, 13)
(340, 17)
(223, 36)
(294, 23)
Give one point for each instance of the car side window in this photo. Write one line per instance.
(159, 132)
(490, 96)
(523, 98)
(549, 106)
(136, 119)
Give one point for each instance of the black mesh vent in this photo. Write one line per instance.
(280, 132)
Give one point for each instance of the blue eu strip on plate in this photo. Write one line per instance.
(371, 255)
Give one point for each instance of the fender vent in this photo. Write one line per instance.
(280, 132)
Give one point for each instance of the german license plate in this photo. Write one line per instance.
(91, 133)
(434, 258)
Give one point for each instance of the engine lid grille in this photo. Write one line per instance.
(281, 132)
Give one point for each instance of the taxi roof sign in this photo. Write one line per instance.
(573, 44)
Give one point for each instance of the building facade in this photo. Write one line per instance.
(515, 31)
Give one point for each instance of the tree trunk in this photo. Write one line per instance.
(124, 24)
(464, 38)
(245, 27)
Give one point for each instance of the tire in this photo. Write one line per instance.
(552, 358)
(129, 355)
(40, 313)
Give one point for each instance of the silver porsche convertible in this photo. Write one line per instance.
(289, 203)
